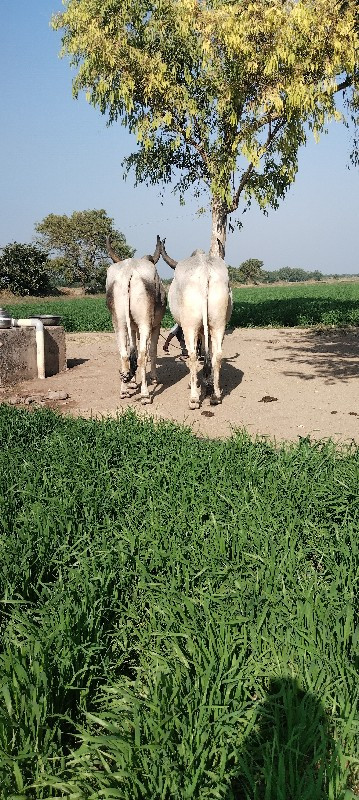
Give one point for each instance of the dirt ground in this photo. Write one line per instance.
(281, 383)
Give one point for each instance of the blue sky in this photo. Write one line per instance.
(58, 156)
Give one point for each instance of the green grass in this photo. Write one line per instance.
(179, 617)
(304, 305)
(77, 314)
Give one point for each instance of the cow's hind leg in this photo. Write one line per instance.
(217, 341)
(125, 371)
(208, 373)
(133, 360)
(153, 354)
(142, 361)
(191, 345)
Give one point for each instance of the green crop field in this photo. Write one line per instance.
(311, 304)
(179, 617)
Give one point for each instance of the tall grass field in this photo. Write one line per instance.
(275, 306)
(178, 617)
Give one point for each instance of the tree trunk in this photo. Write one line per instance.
(219, 229)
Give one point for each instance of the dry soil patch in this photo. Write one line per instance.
(281, 383)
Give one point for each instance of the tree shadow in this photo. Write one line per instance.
(290, 753)
(331, 354)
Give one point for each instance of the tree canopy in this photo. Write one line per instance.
(219, 93)
(250, 270)
(79, 244)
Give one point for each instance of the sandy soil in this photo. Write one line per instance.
(281, 383)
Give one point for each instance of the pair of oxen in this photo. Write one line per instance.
(200, 301)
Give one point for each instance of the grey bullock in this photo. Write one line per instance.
(201, 302)
(137, 301)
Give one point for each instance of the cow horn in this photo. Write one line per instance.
(111, 252)
(170, 261)
(157, 252)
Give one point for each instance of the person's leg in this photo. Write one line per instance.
(181, 339)
(173, 332)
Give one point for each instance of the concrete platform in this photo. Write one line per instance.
(18, 353)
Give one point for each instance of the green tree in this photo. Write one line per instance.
(24, 270)
(251, 270)
(292, 274)
(219, 94)
(234, 275)
(316, 275)
(79, 244)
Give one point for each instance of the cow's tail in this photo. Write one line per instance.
(133, 353)
(207, 365)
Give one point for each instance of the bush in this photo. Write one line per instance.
(24, 270)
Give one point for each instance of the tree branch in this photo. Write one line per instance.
(272, 132)
(344, 84)
(246, 175)
(192, 142)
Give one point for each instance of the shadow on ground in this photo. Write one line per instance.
(171, 370)
(290, 754)
(329, 354)
(75, 362)
(231, 376)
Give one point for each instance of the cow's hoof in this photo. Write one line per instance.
(146, 399)
(193, 404)
(154, 381)
(215, 400)
(124, 395)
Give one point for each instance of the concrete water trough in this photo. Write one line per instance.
(30, 348)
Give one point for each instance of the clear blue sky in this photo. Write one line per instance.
(58, 156)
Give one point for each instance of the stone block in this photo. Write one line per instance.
(18, 353)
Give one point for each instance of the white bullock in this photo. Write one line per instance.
(201, 302)
(137, 301)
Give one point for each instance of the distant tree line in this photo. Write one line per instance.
(292, 275)
(251, 271)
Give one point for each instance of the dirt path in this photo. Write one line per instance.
(312, 378)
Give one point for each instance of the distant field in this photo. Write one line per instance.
(304, 305)
(178, 616)
(275, 306)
